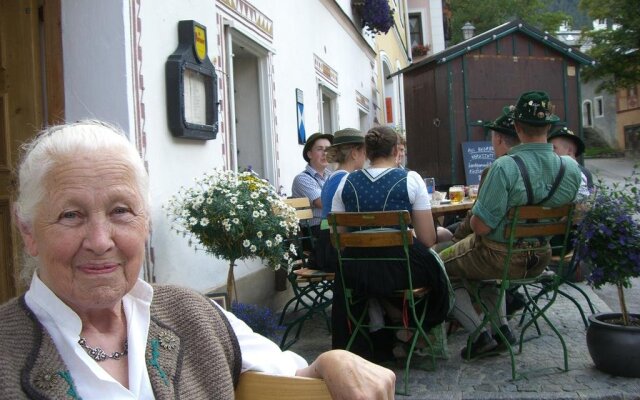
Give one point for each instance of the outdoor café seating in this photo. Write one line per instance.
(369, 230)
(534, 224)
(312, 289)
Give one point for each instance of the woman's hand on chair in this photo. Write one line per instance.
(351, 377)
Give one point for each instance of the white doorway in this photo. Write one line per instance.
(252, 145)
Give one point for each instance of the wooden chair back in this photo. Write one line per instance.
(302, 206)
(260, 386)
(396, 234)
(539, 221)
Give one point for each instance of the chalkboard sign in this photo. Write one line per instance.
(476, 156)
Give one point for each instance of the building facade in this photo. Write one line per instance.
(284, 69)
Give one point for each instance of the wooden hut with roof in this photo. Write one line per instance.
(449, 95)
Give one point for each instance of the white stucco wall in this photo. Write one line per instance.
(96, 61)
(315, 31)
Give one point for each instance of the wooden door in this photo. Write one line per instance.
(29, 36)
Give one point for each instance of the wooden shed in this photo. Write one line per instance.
(449, 95)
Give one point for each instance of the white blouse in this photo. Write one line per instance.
(416, 189)
(93, 382)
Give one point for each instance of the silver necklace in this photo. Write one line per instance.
(99, 355)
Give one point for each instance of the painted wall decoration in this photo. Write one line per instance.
(302, 135)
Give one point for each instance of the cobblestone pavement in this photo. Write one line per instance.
(490, 378)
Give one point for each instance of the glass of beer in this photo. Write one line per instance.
(473, 192)
(456, 193)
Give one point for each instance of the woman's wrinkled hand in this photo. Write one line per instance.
(350, 377)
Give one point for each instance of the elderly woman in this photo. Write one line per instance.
(89, 328)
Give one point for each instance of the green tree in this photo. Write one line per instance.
(617, 48)
(488, 14)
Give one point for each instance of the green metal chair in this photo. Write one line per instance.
(527, 223)
(379, 230)
(311, 288)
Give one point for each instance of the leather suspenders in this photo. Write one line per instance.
(527, 182)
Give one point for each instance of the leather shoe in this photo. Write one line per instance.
(483, 344)
(506, 331)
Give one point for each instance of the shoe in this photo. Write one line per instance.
(506, 331)
(483, 344)
(515, 301)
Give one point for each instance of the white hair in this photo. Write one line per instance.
(56, 143)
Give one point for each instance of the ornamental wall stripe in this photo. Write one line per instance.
(362, 101)
(251, 15)
(325, 70)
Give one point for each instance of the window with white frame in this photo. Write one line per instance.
(415, 29)
(587, 113)
(599, 107)
(328, 109)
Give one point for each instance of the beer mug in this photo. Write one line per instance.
(473, 192)
(456, 193)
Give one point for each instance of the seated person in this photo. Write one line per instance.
(384, 187)
(503, 138)
(348, 152)
(88, 327)
(309, 183)
(566, 143)
(481, 255)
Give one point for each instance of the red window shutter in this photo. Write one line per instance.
(389, 108)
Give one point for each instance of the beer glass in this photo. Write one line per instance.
(473, 192)
(456, 194)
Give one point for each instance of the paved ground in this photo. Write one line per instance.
(490, 378)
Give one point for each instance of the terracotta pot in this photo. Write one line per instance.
(615, 349)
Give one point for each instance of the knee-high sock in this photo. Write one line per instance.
(490, 297)
(464, 311)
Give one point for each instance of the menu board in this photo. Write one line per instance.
(476, 157)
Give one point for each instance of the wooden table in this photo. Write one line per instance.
(440, 210)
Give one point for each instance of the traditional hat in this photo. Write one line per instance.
(568, 133)
(347, 135)
(311, 140)
(534, 108)
(504, 123)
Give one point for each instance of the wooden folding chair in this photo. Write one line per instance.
(379, 230)
(531, 224)
(260, 386)
(311, 287)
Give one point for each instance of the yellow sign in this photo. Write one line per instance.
(200, 42)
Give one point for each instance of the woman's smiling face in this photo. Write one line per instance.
(89, 233)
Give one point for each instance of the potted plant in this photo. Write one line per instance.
(376, 15)
(235, 216)
(608, 238)
(420, 50)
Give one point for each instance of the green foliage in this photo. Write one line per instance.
(579, 18)
(608, 236)
(600, 151)
(235, 217)
(488, 14)
(616, 51)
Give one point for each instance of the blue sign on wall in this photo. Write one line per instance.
(302, 135)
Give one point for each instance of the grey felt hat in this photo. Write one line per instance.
(347, 135)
